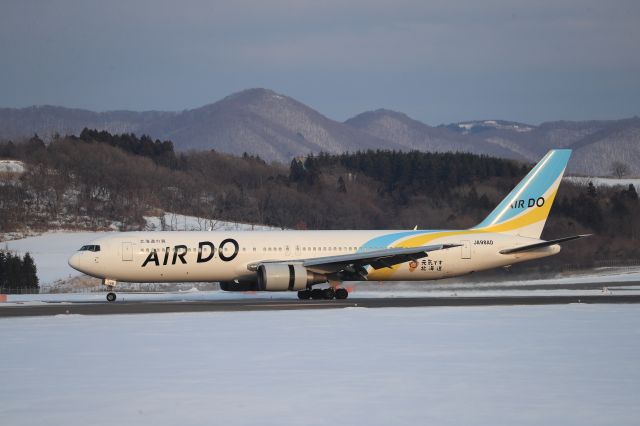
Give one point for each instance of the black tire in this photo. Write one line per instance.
(304, 294)
(111, 297)
(317, 294)
(342, 294)
(328, 293)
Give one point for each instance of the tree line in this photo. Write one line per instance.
(17, 274)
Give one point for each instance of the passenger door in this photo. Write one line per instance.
(466, 249)
(127, 251)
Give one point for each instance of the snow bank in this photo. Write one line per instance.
(12, 166)
(569, 365)
(178, 222)
(600, 181)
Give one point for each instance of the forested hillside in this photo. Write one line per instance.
(97, 178)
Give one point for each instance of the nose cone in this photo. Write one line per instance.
(75, 262)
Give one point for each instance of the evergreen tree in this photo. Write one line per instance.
(296, 171)
(13, 269)
(3, 263)
(342, 187)
(632, 194)
(18, 273)
(29, 272)
(312, 170)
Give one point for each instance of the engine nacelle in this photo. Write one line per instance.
(286, 277)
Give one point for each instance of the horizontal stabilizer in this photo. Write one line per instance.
(542, 244)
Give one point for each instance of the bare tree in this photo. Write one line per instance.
(619, 169)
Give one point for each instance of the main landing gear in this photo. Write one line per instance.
(111, 297)
(325, 293)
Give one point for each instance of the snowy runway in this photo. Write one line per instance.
(569, 365)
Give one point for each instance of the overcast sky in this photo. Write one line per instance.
(438, 61)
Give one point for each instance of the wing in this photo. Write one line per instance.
(542, 244)
(354, 263)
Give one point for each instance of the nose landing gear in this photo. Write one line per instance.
(111, 286)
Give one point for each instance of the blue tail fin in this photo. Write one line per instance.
(525, 210)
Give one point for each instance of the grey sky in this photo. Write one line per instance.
(438, 61)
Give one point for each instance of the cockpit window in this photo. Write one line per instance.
(90, 248)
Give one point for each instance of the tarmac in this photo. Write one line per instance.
(155, 307)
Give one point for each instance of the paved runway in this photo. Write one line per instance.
(105, 308)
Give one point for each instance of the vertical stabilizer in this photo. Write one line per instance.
(525, 210)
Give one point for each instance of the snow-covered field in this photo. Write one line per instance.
(178, 222)
(11, 166)
(356, 291)
(51, 251)
(538, 365)
(600, 181)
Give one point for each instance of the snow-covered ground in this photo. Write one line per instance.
(355, 292)
(600, 181)
(537, 365)
(11, 166)
(178, 222)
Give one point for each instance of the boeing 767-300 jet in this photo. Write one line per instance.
(298, 260)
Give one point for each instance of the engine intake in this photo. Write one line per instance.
(286, 277)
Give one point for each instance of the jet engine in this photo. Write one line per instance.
(283, 277)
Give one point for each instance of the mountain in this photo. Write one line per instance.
(256, 121)
(276, 127)
(262, 122)
(596, 144)
(413, 134)
(48, 120)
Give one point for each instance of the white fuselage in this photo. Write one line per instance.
(225, 256)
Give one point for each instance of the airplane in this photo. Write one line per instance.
(298, 260)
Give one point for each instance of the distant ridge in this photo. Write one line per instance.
(277, 128)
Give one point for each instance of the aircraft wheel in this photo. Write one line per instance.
(328, 293)
(111, 297)
(304, 294)
(317, 293)
(342, 293)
